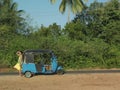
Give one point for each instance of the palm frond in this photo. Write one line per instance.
(52, 1)
(62, 6)
(14, 6)
(20, 11)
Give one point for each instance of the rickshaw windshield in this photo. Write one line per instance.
(28, 58)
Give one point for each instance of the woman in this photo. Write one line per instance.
(18, 66)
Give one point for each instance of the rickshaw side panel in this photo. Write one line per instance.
(29, 67)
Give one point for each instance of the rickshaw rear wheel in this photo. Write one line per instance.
(28, 74)
(60, 72)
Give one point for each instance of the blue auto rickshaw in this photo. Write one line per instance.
(40, 62)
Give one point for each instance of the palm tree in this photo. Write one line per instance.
(9, 14)
(74, 5)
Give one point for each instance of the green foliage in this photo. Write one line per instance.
(76, 30)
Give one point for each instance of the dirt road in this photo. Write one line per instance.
(62, 82)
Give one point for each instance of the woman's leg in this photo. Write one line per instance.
(19, 72)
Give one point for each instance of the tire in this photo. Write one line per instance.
(28, 74)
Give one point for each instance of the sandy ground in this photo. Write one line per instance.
(62, 82)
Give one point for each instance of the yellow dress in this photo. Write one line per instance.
(18, 64)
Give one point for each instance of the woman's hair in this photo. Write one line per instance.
(19, 52)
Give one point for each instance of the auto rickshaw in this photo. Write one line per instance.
(40, 62)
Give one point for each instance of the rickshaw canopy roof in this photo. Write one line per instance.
(29, 54)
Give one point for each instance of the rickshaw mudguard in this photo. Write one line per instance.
(59, 68)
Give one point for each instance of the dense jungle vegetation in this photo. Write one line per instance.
(90, 40)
